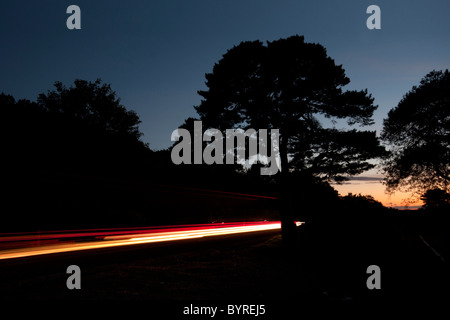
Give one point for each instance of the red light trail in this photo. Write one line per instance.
(17, 245)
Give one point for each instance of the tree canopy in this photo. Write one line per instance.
(83, 128)
(418, 132)
(68, 158)
(93, 103)
(287, 84)
(436, 199)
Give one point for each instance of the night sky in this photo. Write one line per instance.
(155, 53)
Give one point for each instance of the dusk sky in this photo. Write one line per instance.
(155, 53)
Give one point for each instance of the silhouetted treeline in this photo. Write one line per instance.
(70, 164)
(74, 158)
(44, 147)
(72, 161)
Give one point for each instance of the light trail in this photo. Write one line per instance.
(106, 238)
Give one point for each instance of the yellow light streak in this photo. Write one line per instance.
(125, 240)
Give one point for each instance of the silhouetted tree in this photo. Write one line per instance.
(77, 127)
(418, 131)
(64, 156)
(286, 85)
(91, 129)
(22, 123)
(93, 103)
(436, 199)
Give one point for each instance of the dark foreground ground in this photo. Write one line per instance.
(250, 266)
(247, 269)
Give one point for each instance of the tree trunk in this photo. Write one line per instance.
(286, 216)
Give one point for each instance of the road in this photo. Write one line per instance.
(20, 245)
(245, 267)
(119, 264)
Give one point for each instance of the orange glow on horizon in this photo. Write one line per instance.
(378, 191)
